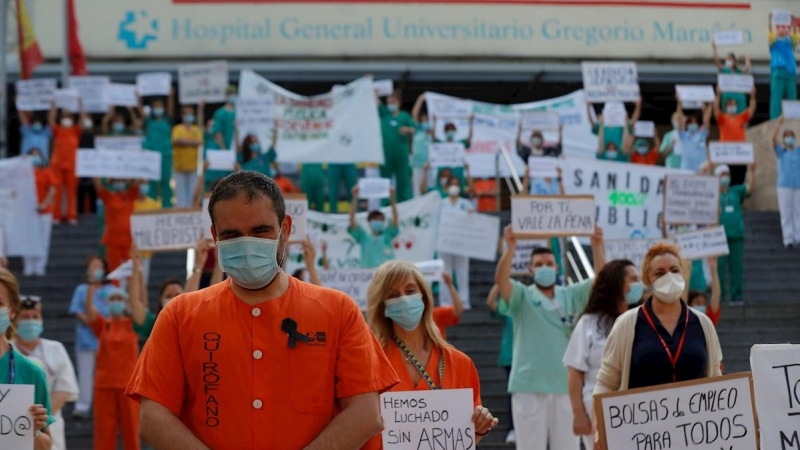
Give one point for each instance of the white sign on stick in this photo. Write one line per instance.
(118, 94)
(781, 18)
(253, 115)
(729, 37)
(93, 92)
(468, 234)
(731, 152)
(644, 129)
(353, 282)
(706, 414)
(371, 188)
(776, 383)
(694, 93)
(631, 249)
(221, 159)
(203, 81)
(546, 216)
(384, 88)
(167, 229)
(414, 420)
(540, 120)
(691, 199)
(731, 82)
(67, 99)
(297, 208)
(521, 264)
(144, 165)
(35, 95)
(431, 270)
(705, 243)
(124, 143)
(154, 83)
(607, 81)
(791, 109)
(446, 154)
(16, 422)
(542, 167)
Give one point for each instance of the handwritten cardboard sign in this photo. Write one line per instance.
(732, 82)
(16, 422)
(607, 81)
(545, 216)
(353, 282)
(728, 37)
(705, 243)
(35, 95)
(119, 94)
(153, 83)
(297, 208)
(644, 129)
(631, 249)
(384, 88)
(776, 383)
(67, 99)
(144, 165)
(468, 234)
(253, 115)
(163, 230)
(614, 114)
(431, 270)
(540, 120)
(440, 419)
(446, 154)
(781, 18)
(731, 152)
(373, 188)
(691, 199)
(123, 143)
(203, 82)
(706, 414)
(93, 92)
(695, 93)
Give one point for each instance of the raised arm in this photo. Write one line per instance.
(469, 134)
(751, 179)
(201, 249)
(353, 205)
(136, 120)
(590, 115)
(423, 182)
(637, 111)
(51, 115)
(310, 258)
(707, 110)
(393, 203)
(416, 111)
(91, 310)
(491, 299)
(748, 66)
(777, 131)
(82, 115)
(502, 276)
(716, 107)
(458, 305)
(201, 115)
(104, 124)
(24, 119)
(717, 61)
(600, 138)
(171, 103)
(716, 291)
(598, 249)
(137, 291)
(751, 108)
(325, 263)
(627, 141)
(274, 142)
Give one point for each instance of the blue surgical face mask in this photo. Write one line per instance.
(393, 107)
(158, 112)
(116, 308)
(643, 150)
(5, 321)
(692, 127)
(725, 181)
(119, 186)
(633, 296)
(450, 135)
(700, 308)
(96, 275)
(188, 118)
(36, 127)
(28, 330)
(611, 153)
(544, 276)
(232, 99)
(405, 311)
(789, 141)
(250, 262)
(376, 226)
(37, 160)
(255, 147)
(144, 189)
(118, 127)
(425, 126)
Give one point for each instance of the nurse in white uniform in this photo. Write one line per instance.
(455, 264)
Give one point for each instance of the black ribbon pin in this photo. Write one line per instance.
(289, 326)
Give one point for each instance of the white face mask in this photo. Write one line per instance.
(729, 63)
(66, 123)
(536, 141)
(732, 110)
(669, 287)
(453, 191)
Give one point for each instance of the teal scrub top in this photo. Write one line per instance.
(505, 357)
(157, 134)
(262, 163)
(673, 161)
(225, 123)
(420, 149)
(27, 372)
(395, 143)
(731, 216)
(612, 134)
(375, 250)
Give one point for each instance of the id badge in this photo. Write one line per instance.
(729, 209)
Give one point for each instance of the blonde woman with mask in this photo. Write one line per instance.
(400, 312)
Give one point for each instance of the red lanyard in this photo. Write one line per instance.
(672, 359)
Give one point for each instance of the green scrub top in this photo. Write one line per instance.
(673, 161)
(225, 123)
(395, 143)
(262, 163)
(27, 372)
(375, 250)
(538, 320)
(157, 134)
(146, 328)
(731, 216)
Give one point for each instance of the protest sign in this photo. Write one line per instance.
(92, 90)
(693, 93)
(791, 109)
(297, 208)
(522, 255)
(631, 249)
(542, 167)
(540, 120)
(468, 234)
(731, 82)
(384, 88)
(16, 422)
(154, 83)
(254, 116)
(704, 243)
(16, 177)
(729, 37)
(162, 230)
(118, 94)
(202, 82)
(705, 414)
(731, 152)
(607, 81)
(221, 159)
(414, 420)
(781, 18)
(431, 270)
(123, 272)
(691, 199)
(692, 104)
(124, 143)
(545, 216)
(370, 188)
(446, 154)
(144, 165)
(67, 99)
(776, 383)
(489, 135)
(614, 114)
(35, 95)
(341, 127)
(445, 106)
(353, 282)
(644, 129)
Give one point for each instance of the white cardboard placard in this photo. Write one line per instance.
(695, 93)
(377, 188)
(124, 143)
(468, 234)
(384, 88)
(154, 83)
(522, 254)
(431, 270)
(353, 282)
(67, 99)
(445, 420)
(691, 104)
(728, 37)
(124, 271)
(704, 243)
(631, 249)
(93, 92)
(542, 167)
(221, 159)
(167, 229)
(203, 82)
(446, 154)
(16, 422)
(731, 152)
(297, 208)
(644, 129)
(607, 81)
(540, 120)
(691, 199)
(119, 94)
(36, 94)
(781, 17)
(614, 114)
(732, 82)
(776, 378)
(254, 114)
(546, 216)
(791, 109)
(144, 165)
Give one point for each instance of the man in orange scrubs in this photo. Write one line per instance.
(262, 361)
(733, 128)
(119, 198)
(66, 137)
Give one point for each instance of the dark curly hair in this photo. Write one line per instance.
(607, 292)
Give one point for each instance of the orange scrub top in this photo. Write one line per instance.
(732, 128)
(459, 373)
(118, 210)
(226, 370)
(45, 179)
(65, 146)
(117, 353)
(443, 317)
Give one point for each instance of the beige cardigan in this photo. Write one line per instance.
(615, 369)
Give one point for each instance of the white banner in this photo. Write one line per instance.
(328, 128)
(203, 81)
(791, 109)
(631, 249)
(542, 167)
(153, 83)
(776, 383)
(431, 270)
(468, 234)
(23, 234)
(67, 99)
(353, 282)
(644, 129)
(93, 92)
(297, 208)
(540, 120)
(118, 94)
(693, 93)
(545, 216)
(629, 197)
(374, 187)
(522, 254)
(124, 143)
(16, 422)
(731, 152)
(415, 420)
(167, 229)
(446, 154)
(36, 94)
(221, 159)
(607, 81)
(255, 116)
(729, 37)
(144, 165)
(447, 107)
(730, 82)
(691, 199)
(704, 243)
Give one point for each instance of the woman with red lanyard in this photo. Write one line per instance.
(664, 340)
(400, 311)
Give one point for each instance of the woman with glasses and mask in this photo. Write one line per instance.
(52, 358)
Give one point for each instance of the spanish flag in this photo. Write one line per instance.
(30, 55)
